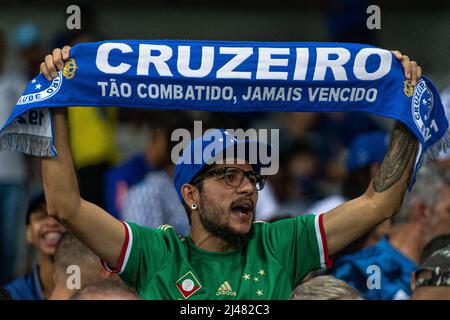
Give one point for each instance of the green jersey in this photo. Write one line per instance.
(160, 264)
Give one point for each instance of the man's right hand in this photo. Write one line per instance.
(54, 62)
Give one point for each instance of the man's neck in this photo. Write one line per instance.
(407, 239)
(208, 242)
(46, 268)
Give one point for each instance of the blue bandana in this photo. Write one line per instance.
(231, 77)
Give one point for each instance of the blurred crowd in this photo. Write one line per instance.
(123, 165)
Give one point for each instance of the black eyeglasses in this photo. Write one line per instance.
(234, 177)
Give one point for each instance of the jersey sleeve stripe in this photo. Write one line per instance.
(125, 253)
(325, 260)
(104, 265)
(128, 246)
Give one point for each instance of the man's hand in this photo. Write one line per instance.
(54, 62)
(413, 71)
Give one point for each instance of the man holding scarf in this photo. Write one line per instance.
(227, 255)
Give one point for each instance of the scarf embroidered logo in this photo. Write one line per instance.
(188, 285)
(41, 90)
(69, 69)
(421, 107)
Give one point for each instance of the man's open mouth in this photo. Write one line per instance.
(52, 237)
(243, 207)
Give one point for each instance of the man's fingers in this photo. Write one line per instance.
(65, 52)
(54, 62)
(406, 66)
(45, 72)
(58, 59)
(397, 54)
(413, 73)
(419, 72)
(50, 65)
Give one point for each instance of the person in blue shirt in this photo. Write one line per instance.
(121, 178)
(43, 233)
(383, 271)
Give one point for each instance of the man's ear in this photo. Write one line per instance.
(190, 194)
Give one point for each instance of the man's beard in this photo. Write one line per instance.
(210, 219)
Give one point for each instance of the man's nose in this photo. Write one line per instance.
(246, 186)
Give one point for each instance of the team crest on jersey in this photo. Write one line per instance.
(69, 69)
(421, 108)
(40, 90)
(188, 285)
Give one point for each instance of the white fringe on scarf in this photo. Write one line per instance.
(28, 144)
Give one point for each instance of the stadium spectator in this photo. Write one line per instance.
(325, 288)
(71, 252)
(222, 223)
(44, 233)
(130, 172)
(108, 289)
(432, 279)
(423, 216)
(13, 174)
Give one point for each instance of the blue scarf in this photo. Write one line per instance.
(231, 77)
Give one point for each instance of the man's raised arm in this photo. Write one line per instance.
(101, 232)
(383, 197)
